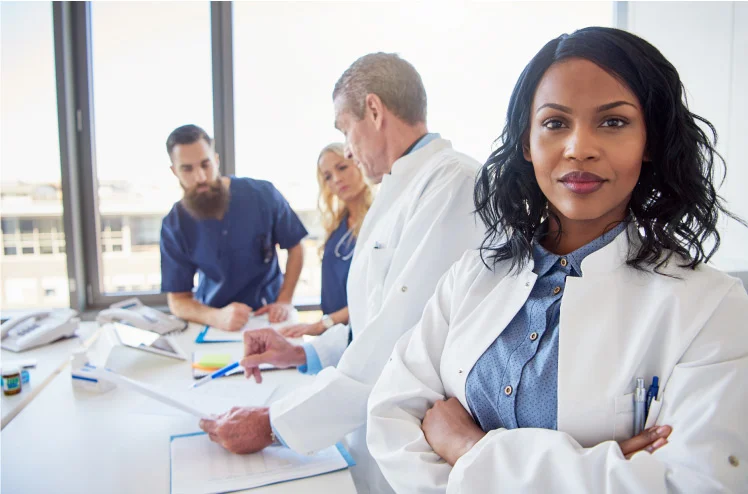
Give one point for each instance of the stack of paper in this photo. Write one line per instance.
(199, 466)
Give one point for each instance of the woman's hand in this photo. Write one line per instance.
(450, 430)
(299, 330)
(648, 440)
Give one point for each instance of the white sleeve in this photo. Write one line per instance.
(409, 386)
(705, 401)
(440, 229)
(331, 344)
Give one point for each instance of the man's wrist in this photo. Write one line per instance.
(299, 355)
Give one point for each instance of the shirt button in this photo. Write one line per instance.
(404, 289)
(557, 290)
(533, 336)
(459, 371)
(733, 460)
(224, 232)
(564, 262)
(508, 390)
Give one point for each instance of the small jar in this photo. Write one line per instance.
(11, 380)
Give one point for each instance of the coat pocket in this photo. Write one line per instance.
(624, 420)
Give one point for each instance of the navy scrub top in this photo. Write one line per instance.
(336, 261)
(234, 257)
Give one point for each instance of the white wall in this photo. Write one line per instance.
(708, 44)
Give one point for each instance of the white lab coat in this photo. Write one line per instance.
(616, 324)
(420, 223)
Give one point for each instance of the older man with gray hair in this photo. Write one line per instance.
(420, 223)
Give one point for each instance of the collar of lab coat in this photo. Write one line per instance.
(607, 259)
(408, 165)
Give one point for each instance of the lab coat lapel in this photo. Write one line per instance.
(494, 312)
(591, 310)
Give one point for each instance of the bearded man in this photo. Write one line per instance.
(226, 230)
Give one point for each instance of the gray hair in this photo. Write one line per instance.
(335, 147)
(394, 80)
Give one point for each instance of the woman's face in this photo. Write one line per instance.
(341, 176)
(586, 142)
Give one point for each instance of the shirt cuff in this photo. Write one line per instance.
(278, 436)
(313, 363)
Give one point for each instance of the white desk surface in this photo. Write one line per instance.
(49, 360)
(72, 440)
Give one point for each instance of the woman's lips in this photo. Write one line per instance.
(582, 182)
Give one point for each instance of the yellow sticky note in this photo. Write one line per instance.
(214, 360)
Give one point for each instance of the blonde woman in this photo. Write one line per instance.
(344, 199)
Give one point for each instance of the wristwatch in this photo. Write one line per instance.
(327, 321)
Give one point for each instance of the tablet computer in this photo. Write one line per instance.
(142, 339)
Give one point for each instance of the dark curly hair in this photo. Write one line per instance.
(674, 204)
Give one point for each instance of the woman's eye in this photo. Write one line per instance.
(343, 168)
(553, 124)
(327, 178)
(614, 122)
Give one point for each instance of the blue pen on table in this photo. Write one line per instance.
(640, 400)
(654, 389)
(215, 375)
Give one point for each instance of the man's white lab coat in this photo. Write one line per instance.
(420, 223)
(616, 324)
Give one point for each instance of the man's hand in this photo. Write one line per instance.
(299, 330)
(277, 312)
(266, 346)
(450, 430)
(233, 317)
(648, 440)
(240, 430)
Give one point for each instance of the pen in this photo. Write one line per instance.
(216, 374)
(264, 301)
(652, 393)
(640, 399)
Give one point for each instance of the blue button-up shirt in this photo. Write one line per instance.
(515, 382)
(235, 256)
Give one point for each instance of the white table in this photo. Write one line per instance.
(71, 440)
(49, 361)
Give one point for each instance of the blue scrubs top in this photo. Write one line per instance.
(336, 262)
(234, 257)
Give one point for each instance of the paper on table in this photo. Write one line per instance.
(211, 334)
(215, 397)
(201, 466)
(151, 392)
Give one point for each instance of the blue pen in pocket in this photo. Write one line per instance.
(652, 392)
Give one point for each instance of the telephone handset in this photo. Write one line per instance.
(38, 328)
(134, 313)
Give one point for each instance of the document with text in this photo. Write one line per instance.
(200, 466)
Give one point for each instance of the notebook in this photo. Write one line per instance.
(200, 466)
(206, 362)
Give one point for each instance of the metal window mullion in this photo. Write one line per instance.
(72, 213)
(223, 84)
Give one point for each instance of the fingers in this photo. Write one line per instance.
(262, 310)
(208, 425)
(249, 362)
(647, 438)
(258, 375)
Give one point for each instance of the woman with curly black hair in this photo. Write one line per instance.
(525, 372)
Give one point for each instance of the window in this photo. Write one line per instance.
(29, 151)
(144, 87)
(287, 119)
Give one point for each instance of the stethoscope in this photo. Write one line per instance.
(336, 251)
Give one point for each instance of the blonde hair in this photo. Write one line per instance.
(331, 207)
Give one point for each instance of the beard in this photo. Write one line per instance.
(206, 204)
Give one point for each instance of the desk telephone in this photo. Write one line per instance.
(133, 312)
(38, 328)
